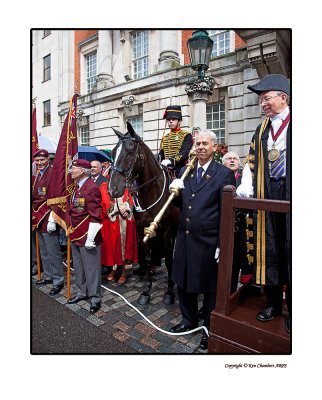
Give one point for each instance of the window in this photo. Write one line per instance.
(222, 42)
(47, 67)
(216, 120)
(47, 32)
(91, 72)
(140, 51)
(84, 135)
(47, 114)
(137, 123)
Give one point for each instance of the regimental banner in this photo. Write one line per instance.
(61, 185)
(34, 139)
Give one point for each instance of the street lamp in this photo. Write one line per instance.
(200, 47)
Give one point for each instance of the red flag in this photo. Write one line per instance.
(34, 140)
(62, 185)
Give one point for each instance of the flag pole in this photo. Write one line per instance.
(68, 268)
(38, 256)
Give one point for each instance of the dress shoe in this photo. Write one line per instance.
(288, 325)
(179, 328)
(34, 272)
(204, 342)
(76, 299)
(56, 289)
(94, 307)
(267, 314)
(44, 282)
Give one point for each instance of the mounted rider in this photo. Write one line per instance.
(176, 144)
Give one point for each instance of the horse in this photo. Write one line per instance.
(136, 167)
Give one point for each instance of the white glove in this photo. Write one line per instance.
(176, 184)
(165, 162)
(93, 228)
(217, 254)
(51, 225)
(245, 189)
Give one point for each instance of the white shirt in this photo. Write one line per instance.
(277, 121)
(204, 167)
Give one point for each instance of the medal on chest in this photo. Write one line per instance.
(42, 191)
(79, 203)
(273, 153)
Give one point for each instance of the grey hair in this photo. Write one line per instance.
(287, 97)
(99, 164)
(87, 171)
(209, 133)
(230, 152)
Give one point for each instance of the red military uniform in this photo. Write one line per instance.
(40, 210)
(83, 208)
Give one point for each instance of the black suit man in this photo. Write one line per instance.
(196, 250)
(96, 173)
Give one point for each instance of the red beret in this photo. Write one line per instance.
(41, 153)
(81, 163)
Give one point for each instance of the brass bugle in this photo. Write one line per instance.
(150, 231)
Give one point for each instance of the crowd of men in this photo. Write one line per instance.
(102, 229)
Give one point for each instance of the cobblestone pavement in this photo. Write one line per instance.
(120, 320)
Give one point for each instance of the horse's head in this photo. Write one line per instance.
(128, 161)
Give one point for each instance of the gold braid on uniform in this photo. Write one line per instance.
(249, 241)
(172, 143)
(260, 194)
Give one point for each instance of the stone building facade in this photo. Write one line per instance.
(134, 75)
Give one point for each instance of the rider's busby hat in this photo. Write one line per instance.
(271, 82)
(81, 163)
(173, 112)
(40, 153)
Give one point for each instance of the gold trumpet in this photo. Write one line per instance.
(150, 231)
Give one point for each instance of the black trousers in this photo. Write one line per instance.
(188, 303)
(274, 294)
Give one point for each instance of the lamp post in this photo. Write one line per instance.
(200, 86)
(200, 47)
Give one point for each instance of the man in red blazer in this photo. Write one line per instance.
(84, 222)
(45, 226)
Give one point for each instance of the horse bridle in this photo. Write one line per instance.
(129, 172)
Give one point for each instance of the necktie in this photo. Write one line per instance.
(278, 166)
(199, 174)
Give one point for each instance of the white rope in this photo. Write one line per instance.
(150, 322)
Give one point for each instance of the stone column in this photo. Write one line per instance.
(199, 92)
(169, 55)
(104, 60)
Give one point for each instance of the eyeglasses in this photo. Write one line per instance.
(231, 158)
(267, 99)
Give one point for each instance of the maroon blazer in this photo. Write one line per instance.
(40, 210)
(84, 207)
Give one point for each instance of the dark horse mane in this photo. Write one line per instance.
(136, 167)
